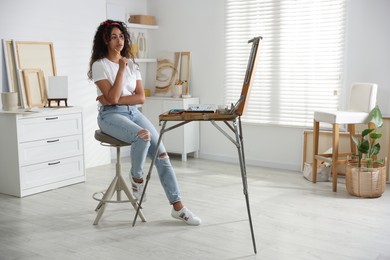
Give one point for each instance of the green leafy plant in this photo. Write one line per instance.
(366, 143)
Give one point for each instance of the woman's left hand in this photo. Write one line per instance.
(102, 100)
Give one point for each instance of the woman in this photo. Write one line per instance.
(119, 87)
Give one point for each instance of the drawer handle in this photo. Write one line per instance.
(52, 141)
(54, 163)
(51, 118)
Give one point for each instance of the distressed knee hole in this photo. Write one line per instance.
(144, 134)
(163, 156)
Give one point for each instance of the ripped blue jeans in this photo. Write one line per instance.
(124, 122)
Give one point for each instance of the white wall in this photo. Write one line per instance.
(198, 26)
(368, 48)
(70, 25)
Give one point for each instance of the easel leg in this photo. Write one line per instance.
(150, 171)
(241, 156)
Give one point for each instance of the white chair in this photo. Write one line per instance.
(362, 101)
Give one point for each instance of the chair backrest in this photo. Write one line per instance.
(250, 72)
(363, 97)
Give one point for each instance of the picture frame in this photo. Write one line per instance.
(168, 67)
(36, 55)
(171, 67)
(34, 87)
(14, 74)
(10, 66)
(20, 55)
(184, 75)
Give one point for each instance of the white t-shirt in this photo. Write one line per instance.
(106, 69)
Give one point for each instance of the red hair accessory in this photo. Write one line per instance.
(110, 24)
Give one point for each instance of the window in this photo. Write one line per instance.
(299, 70)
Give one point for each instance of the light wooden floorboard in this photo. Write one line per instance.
(293, 219)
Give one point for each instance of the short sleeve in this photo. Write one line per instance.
(98, 72)
(136, 70)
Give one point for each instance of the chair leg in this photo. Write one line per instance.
(335, 154)
(351, 130)
(316, 134)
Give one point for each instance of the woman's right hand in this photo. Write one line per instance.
(123, 63)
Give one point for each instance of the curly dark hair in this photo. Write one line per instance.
(102, 36)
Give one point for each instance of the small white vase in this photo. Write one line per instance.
(177, 90)
(9, 100)
(141, 42)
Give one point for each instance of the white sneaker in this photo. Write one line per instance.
(138, 188)
(187, 216)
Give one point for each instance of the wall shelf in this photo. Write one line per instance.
(144, 60)
(141, 26)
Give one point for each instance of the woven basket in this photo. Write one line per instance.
(365, 182)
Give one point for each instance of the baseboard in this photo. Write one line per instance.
(251, 162)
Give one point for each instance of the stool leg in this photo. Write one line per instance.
(118, 172)
(106, 197)
(335, 154)
(316, 134)
(132, 199)
(117, 185)
(122, 185)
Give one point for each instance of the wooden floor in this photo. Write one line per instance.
(293, 219)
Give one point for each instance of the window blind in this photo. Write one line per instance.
(299, 70)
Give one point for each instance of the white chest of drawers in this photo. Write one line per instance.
(182, 140)
(41, 151)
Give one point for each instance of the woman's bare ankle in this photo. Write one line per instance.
(178, 205)
(138, 180)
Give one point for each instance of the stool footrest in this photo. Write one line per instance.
(94, 196)
(324, 158)
(117, 185)
(327, 157)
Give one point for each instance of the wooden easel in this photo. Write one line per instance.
(232, 120)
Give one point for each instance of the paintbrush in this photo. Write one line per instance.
(118, 52)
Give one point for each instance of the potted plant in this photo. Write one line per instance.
(366, 176)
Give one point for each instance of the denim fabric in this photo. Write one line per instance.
(124, 123)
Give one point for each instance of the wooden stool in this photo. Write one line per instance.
(118, 184)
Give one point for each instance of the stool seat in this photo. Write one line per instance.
(118, 184)
(107, 139)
